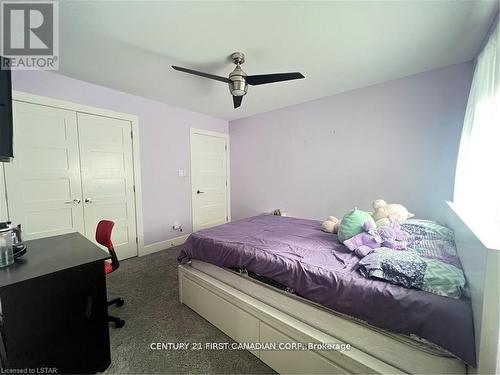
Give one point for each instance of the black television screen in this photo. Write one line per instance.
(6, 151)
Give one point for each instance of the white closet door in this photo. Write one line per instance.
(108, 179)
(209, 179)
(43, 180)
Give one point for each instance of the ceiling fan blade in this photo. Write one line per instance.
(270, 78)
(237, 101)
(206, 75)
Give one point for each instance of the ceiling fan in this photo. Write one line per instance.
(238, 80)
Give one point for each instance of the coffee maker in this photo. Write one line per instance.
(6, 251)
(11, 243)
(18, 245)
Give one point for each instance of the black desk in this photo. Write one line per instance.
(53, 310)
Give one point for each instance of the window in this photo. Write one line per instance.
(477, 182)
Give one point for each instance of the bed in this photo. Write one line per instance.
(390, 328)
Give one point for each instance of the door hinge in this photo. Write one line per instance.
(136, 239)
(225, 147)
(227, 219)
(132, 134)
(133, 188)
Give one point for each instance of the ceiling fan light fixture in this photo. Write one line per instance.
(238, 92)
(238, 80)
(237, 87)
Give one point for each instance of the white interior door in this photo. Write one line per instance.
(108, 179)
(209, 179)
(43, 180)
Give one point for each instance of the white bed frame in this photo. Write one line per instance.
(251, 312)
(481, 265)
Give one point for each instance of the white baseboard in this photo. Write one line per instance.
(162, 245)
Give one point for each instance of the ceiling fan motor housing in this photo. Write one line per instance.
(238, 86)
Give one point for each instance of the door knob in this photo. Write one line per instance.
(74, 201)
(88, 200)
(200, 192)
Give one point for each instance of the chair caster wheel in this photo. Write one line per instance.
(120, 302)
(120, 323)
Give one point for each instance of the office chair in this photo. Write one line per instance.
(103, 236)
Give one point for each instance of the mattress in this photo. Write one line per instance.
(297, 254)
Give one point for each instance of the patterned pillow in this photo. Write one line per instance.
(405, 268)
(432, 240)
(436, 245)
(443, 279)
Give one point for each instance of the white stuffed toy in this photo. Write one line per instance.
(331, 225)
(385, 214)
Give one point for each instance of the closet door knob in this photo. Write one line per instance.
(88, 200)
(74, 201)
(200, 192)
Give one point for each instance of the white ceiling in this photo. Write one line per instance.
(337, 45)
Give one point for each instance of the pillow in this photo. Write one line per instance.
(352, 224)
(436, 244)
(411, 270)
(405, 268)
(443, 279)
(432, 240)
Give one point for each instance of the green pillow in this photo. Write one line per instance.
(443, 279)
(352, 224)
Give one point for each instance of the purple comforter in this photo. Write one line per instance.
(297, 254)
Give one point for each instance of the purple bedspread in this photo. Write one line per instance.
(297, 254)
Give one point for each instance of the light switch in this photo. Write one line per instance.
(182, 173)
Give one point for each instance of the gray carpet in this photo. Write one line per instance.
(153, 314)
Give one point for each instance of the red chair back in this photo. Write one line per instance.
(103, 237)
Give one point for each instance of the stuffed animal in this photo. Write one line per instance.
(330, 225)
(384, 214)
(391, 236)
(363, 243)
(352, 223)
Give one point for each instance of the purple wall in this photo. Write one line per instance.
(397, 140)
(164, 142)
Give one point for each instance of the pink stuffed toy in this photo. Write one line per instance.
(391, 236)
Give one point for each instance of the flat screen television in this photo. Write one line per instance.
(6, 151)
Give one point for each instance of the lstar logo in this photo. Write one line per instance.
(30, 37)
